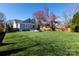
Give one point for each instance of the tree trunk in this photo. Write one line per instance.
(2, 35)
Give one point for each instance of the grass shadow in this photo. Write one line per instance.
(8, 52)
(4, 44)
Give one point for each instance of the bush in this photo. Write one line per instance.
(13, 30)
(26, 30)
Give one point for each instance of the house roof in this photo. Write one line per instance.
(24, 21)
(18, 21)
(28, 20)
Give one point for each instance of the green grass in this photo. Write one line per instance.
(40, 44)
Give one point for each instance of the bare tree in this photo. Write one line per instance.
(2, 17)
(68, 14)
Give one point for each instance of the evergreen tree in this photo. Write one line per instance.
(75, 22)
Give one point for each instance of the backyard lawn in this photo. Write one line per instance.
(40, 44)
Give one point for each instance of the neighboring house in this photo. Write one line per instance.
(22, 25)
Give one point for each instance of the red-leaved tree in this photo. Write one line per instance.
(43, 18)
(39, 16)
(53, 18)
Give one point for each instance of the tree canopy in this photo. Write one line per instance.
(75, 22)
(2, 22)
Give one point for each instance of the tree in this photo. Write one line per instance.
(2, 22)
(2, 27)
(53, 18)
(43, 18)
(75, 22)
(39, 16)
(68, 14)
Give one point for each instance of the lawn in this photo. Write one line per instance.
(40, 44)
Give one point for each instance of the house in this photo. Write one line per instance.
(22, 25)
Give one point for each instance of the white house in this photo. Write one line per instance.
(22, 25)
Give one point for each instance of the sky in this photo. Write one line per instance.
(23, 11)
